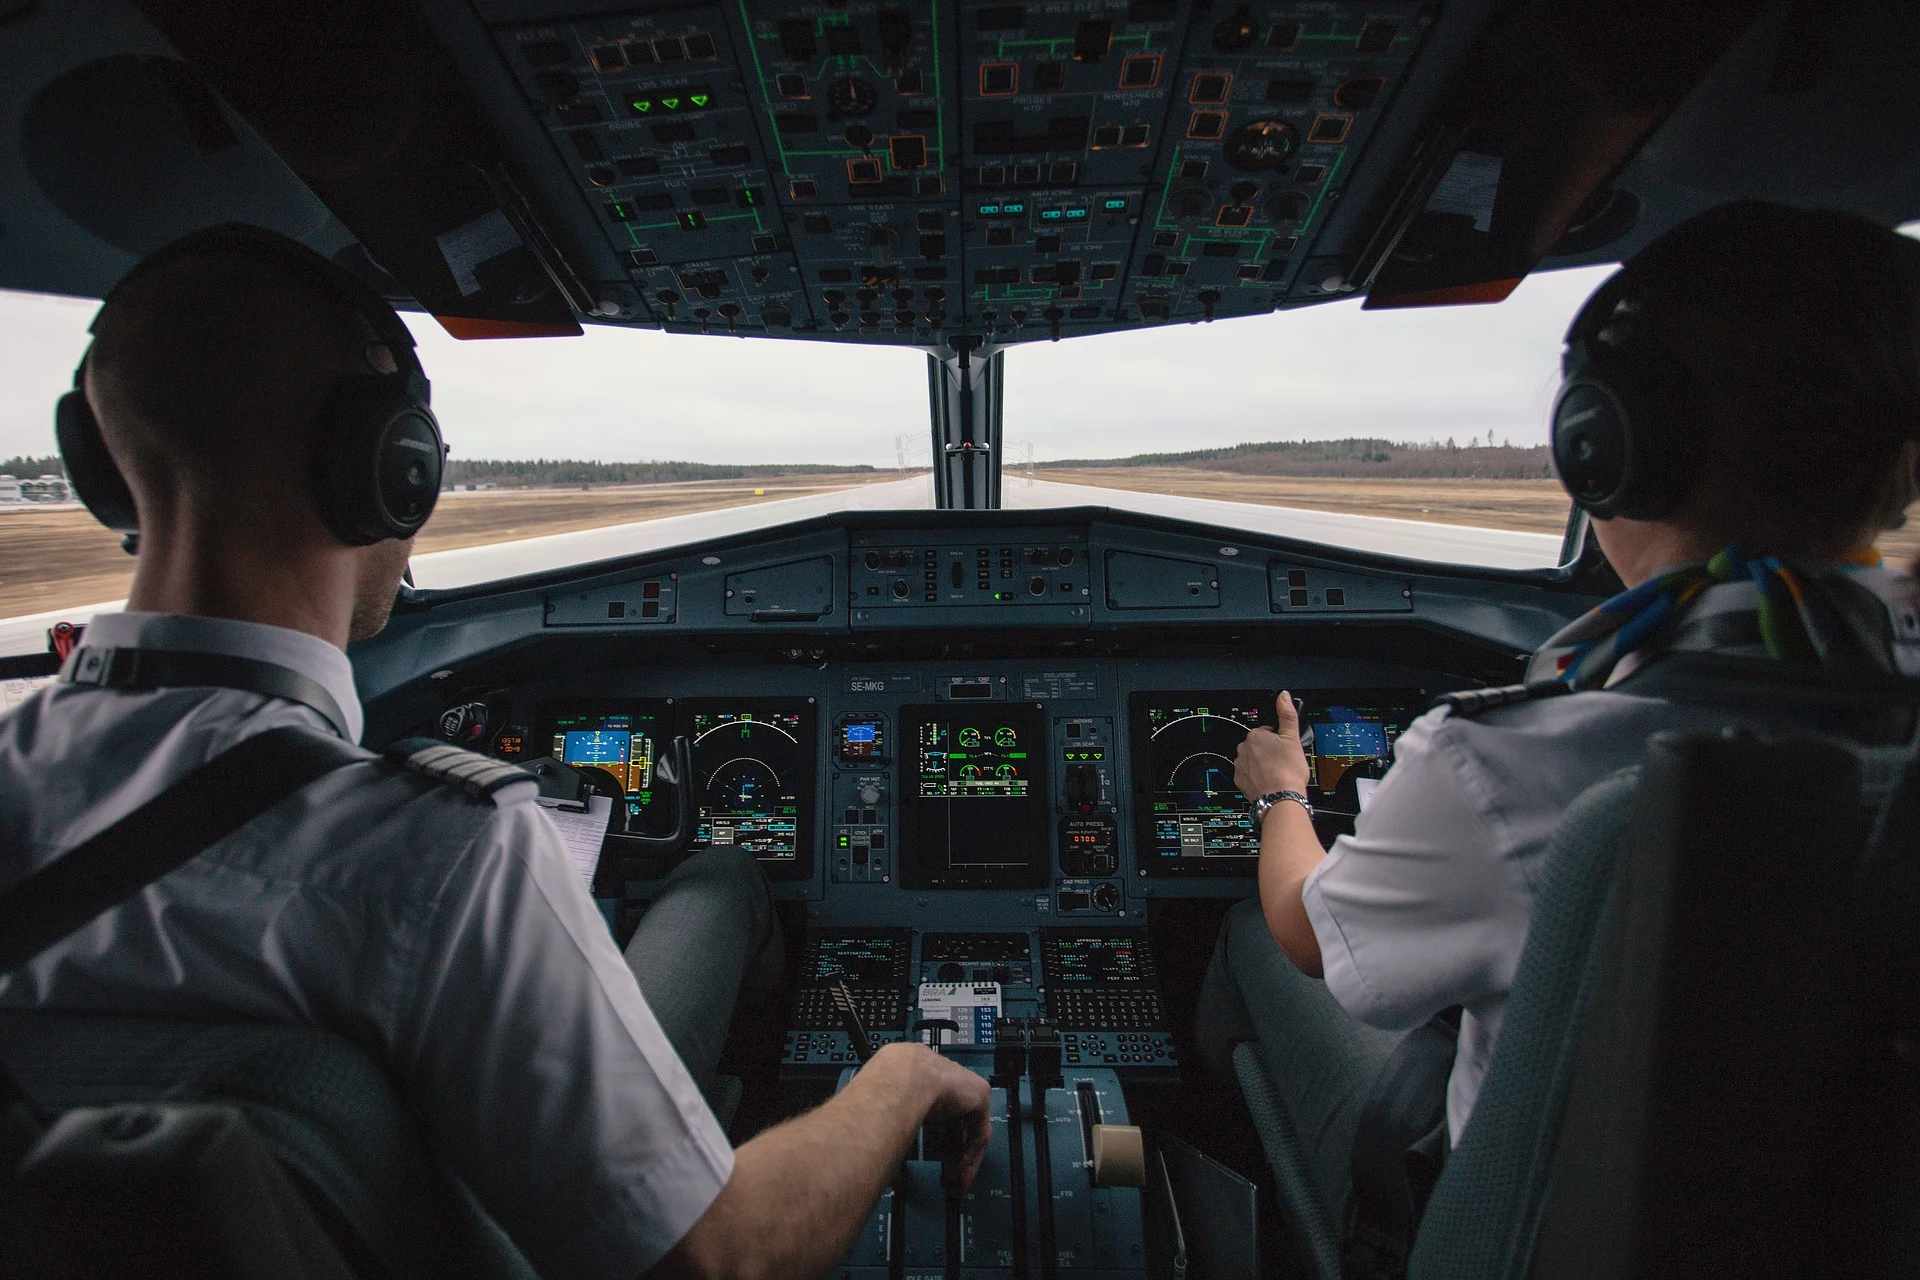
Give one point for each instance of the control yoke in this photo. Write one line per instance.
(674, 775)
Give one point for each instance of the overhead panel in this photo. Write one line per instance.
(903, 172)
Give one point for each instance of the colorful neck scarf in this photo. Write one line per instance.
(1801, 610)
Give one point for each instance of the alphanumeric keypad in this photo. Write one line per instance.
(1105, 1009)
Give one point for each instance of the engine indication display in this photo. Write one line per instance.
(1191, 817)
(970, 760)
(753, 772)
(975, 815)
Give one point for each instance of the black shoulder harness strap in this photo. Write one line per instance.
(166, 832)
(1471, 702)
(140, 669)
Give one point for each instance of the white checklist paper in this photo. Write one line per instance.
(16, 690)
(582, 831)
(972, 1005)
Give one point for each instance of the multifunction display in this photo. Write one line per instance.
(622, 740)
(753, 772)
(974, 812)
(1189, 817)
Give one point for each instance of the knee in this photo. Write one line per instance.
(1223, 1020)
(729, 875)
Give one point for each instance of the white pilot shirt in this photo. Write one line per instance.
(1427, 904)
(452, 939)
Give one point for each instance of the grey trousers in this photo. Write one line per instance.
(1321, 1059)
(707, 944)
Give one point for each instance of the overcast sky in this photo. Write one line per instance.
(618, 395)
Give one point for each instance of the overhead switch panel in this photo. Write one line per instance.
(886, 172)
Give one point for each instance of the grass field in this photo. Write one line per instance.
(55, 559)
(1526, 506)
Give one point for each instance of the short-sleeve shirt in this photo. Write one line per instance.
(452, 939)
(1427, 904)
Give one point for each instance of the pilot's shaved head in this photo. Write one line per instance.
(208, 375)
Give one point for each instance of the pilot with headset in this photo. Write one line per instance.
(259, 416)
(1738, 415)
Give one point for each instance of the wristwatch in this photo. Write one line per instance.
(1263, 803)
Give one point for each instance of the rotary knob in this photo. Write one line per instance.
(870, 793)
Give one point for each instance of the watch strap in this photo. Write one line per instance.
(1263, 803)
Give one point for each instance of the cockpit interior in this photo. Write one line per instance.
(983, 755)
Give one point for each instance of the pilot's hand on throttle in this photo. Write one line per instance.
(959, 1099)
(1272, 759)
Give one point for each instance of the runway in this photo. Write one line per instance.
(470, 565)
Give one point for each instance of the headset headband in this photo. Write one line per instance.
(240, 239)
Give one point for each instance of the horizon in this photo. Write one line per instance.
(1250, 446)
(1330, 371)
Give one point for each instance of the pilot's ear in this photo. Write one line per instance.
(379, 358)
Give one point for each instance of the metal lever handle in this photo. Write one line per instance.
(936, 1026)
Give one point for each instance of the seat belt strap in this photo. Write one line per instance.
(195, 813)
(140, 669)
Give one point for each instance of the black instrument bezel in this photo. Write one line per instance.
(1037, 871)
(800, 866)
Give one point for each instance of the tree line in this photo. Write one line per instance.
(567, 471)
(1478, 459)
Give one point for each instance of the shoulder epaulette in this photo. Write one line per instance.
(480, 777)
(1472, 702)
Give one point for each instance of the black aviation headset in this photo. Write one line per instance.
(1629, 420)
(1633, 418)
(377, 457)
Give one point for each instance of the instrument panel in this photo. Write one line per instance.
(1015, 792)
(754, 769)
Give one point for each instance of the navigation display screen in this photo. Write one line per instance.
(1189, 816)
(974, 812)
(622, 739)
(1095, 959)
(753, 772)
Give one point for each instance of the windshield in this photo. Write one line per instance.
(1418, 433)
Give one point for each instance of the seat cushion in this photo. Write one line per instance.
(323, 1106)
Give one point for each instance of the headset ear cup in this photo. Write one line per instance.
(377, 470)
(91, 470)
(1591, 445)
(1624, 433)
